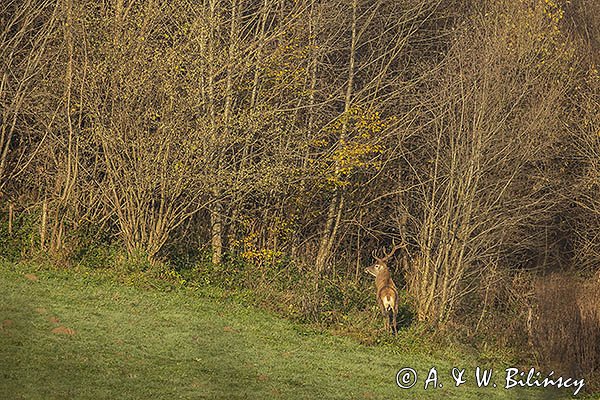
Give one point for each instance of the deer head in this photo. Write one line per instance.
(381, 262)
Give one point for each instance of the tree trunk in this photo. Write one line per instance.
(216, 222)
(11, 209)
(43, 224)
(335, 209)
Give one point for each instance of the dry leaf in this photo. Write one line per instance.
(63, 330)
(196, 384)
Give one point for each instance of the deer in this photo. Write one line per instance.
(387, 294)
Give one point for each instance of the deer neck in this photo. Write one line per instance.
(383, 278)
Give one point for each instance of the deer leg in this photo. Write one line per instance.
(386, 320)
(395, 327)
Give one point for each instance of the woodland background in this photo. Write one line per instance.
(269, 146)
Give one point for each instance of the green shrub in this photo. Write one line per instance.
(24, 238)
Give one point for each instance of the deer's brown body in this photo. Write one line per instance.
(387, 294)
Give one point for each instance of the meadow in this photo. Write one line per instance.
(79, 335)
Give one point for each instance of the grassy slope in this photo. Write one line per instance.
(131, 343)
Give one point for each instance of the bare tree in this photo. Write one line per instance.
(27, 28)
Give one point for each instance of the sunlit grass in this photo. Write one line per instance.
(112, 341)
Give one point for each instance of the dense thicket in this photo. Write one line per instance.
(301, 135)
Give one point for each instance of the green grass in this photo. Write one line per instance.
(131, 343)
